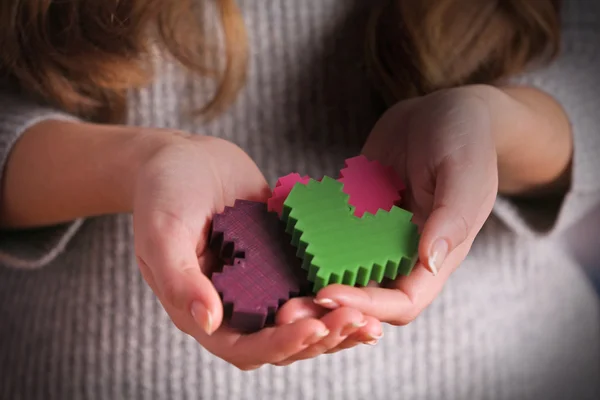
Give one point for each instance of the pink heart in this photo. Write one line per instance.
(370, 185)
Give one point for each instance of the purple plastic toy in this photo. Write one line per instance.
(261, 270)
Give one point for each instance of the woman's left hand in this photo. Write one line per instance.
(442, 147)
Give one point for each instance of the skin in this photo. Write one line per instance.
(473, 140)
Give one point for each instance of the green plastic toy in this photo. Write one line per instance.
(338, 247)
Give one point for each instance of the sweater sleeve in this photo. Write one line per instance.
(573, 80)
(32, 248)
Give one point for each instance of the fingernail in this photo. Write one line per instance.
(359, 324)
(437, 255)
(202, 317)
(317, 337)
(348, 329)
(373, 339)
(327, 303)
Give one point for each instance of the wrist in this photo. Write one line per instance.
(135, 148)
(533, 140)
(59, 171)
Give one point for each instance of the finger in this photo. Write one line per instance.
(465, 184)
(346, 344)
(335, 321)
(370, 334)
(399, 305)
(387, 305)
(169, 251)
(341, 323)
(299, 308)
(269, 345)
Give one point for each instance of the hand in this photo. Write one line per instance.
(178, 190)
(443, 148)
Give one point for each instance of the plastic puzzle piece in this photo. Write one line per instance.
(338, 247)
(370, 185)
(261, 269)
(283, 187)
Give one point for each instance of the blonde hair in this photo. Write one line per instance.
(418, 47)
(83, 56)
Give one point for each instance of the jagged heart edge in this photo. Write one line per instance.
(219, 244)
(364, 275)
(280, 193)
(271, 309)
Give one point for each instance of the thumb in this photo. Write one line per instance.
(463, 199)
(167, 247)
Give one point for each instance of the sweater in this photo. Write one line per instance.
(518, 320)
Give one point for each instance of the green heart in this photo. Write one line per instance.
(338, 247)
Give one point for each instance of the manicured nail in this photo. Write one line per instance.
(359, 324)
(437, 255)
(202, 317)
(373, 339)
(317, 337)
(327, 303)
(348, 329)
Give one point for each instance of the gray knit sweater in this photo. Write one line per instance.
(519, 320)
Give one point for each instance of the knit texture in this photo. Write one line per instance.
(518, 320)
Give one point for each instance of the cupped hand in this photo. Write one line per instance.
(443, 148)
(178, 190)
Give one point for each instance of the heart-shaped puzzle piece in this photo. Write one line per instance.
(283, 187)
(338, 247)
(261, 269)
(371, 186)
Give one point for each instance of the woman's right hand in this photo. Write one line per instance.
(178, 189)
